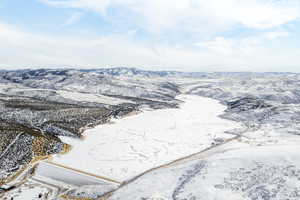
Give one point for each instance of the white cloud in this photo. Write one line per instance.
(194, 16)
(85, 4)
(197, 20)
(240, 46)
(275, 34)
(218, 45)
(73, 18)
(10, 32)
(255, 14)
(22, 49)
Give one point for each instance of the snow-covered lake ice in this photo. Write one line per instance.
(132, 145)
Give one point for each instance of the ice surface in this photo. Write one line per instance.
(137, 143)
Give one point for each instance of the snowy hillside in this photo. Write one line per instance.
(161, 135)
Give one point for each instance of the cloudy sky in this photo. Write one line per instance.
(186, 35)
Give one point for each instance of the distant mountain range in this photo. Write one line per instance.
(118, 71)
(130, 71)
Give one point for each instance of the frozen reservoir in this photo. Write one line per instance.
(137, 143)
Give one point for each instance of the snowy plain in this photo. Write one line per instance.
(130, 146)
(28, 191)
(244, 173)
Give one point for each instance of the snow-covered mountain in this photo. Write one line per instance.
(258, 162)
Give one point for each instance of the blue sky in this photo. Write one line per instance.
(186, 35)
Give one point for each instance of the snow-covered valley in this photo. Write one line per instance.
(132, 145)
(149, 136)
